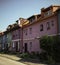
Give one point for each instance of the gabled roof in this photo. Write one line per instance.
(14, 27)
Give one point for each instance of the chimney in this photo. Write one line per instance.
(42, 9)
(19, 21)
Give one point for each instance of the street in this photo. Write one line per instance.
(6, 61)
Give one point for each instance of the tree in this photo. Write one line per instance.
(46, 43)
(51, 45)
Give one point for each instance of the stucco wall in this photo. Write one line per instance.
(58, 21)
(36, 33)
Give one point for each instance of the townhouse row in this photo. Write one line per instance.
(24, 35)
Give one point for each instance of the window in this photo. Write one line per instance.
(32, 19)
(30, 30)
(16, 35)
(13, 36)
(48, 25)
(13, 45)
(41, 27)
(48, 13)
(30, 45)
(26, 32)
(52, 23)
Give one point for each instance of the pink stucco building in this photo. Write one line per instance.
(39, 25)
(24, 35)
(17, 38)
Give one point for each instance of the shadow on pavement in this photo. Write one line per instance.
(34, 62)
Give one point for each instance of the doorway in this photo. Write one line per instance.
(16, 46)
(25, 47)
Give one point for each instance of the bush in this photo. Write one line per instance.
(24, 55)
(34, 55)
(43, 56)
(27, 55)
(51, 45)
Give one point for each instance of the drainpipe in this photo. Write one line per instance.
(22, 38)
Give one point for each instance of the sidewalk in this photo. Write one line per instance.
(12, 57)
(15, 58)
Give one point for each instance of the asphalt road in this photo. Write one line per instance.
(6, 61)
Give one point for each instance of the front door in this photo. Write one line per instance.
(16, 46)
(25, 47)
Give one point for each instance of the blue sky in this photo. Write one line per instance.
(12, 10)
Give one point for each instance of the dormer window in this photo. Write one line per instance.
(9, 27)
(48, 13)
(31, 19)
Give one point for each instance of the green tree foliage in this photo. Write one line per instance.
(51, 45)
(46, 43)
(56, 48)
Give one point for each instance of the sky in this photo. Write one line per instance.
(12, 10)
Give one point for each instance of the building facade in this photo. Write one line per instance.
(17, 38)
(1, 40)
(24, 35)
(46, 24)
(4, 41)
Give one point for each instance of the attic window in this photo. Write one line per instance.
(48, 13)
(32, 19)
(38, 16)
